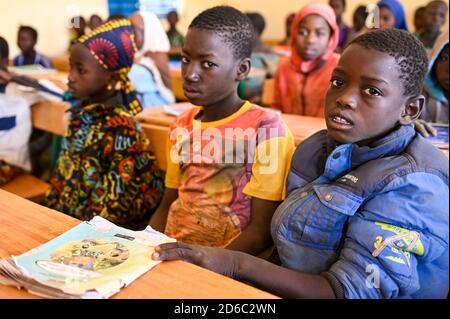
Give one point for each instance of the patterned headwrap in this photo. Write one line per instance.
(112, 44)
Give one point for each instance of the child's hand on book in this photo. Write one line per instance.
(424, 128)
(222, 261)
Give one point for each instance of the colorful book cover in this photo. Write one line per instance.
(94, 259)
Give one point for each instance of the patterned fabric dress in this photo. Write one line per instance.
(105, 168)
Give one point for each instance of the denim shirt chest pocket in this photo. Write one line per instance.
(318, 220)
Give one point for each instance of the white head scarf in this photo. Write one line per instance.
(155, 38)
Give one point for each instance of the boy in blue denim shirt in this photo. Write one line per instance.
(366, 215)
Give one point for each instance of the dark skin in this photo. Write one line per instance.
(441, 75)
(339, 8)
(387, 18)
(88, 80)
(313, 35)
(26, 43)
(435, 17)
(359, 89)
(419, 19)
(211, 74)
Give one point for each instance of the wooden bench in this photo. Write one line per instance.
(28, 187)
(158, 137)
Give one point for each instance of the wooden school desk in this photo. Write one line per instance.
(301, 126)
(25, 225)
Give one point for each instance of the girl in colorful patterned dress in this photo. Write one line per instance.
(105, 167)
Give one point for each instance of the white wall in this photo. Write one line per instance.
(51, 17)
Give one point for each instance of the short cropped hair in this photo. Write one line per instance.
(258, 21)
(233, 26)
(32, 31)
(408, 52)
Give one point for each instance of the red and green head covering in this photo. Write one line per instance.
(112, 44)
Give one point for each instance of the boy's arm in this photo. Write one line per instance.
(280, 281)
(159, 218)
(256, 237)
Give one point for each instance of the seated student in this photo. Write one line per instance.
(263, 58)
(26, 40)
(223, 152)
(77, 30)
(104, 167)
(419, 19)
(345, 32)
(150, 73)
(436, 88)
(435, 17)
(15, 127)
(176, 39)
(288, 24)
(392, 15)
(359, 22)
(367, 209)
(302, 80)
(95, 21)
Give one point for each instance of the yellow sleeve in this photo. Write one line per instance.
(173, 175)
(271, 167)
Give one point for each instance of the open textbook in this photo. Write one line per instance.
(95, 259)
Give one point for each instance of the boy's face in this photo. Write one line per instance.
(172, 18)
(25, 41)
(387, 18)
(313, 36)
(435, 15)
(87, 78)
(365, 99)
(209, 68)
(442, 69)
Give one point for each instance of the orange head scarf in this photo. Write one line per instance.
(326, 12)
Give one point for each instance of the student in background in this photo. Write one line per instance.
(366, 214)
(78, 29)
(419, 19)
(152, 42)
(150, 74)
(105, 167)
(288, 23)
(264, 59)
(26, 41)
(227, 158)
(435, 17)
(359, 21)
(15, 127)
(345, 32)
(176, 39)
(436, 88)
(302, 80)
(95, 21)
(392, 15)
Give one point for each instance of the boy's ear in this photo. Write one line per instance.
(243, 69)
(412, 109)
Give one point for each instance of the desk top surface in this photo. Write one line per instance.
(25, 225)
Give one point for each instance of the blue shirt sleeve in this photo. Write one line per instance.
(396, 245)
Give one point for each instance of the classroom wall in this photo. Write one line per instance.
(51, 17)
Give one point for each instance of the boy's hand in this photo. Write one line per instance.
(222, 261)
(5, 77)
(424, 128)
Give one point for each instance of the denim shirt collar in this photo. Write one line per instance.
(344, 157)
